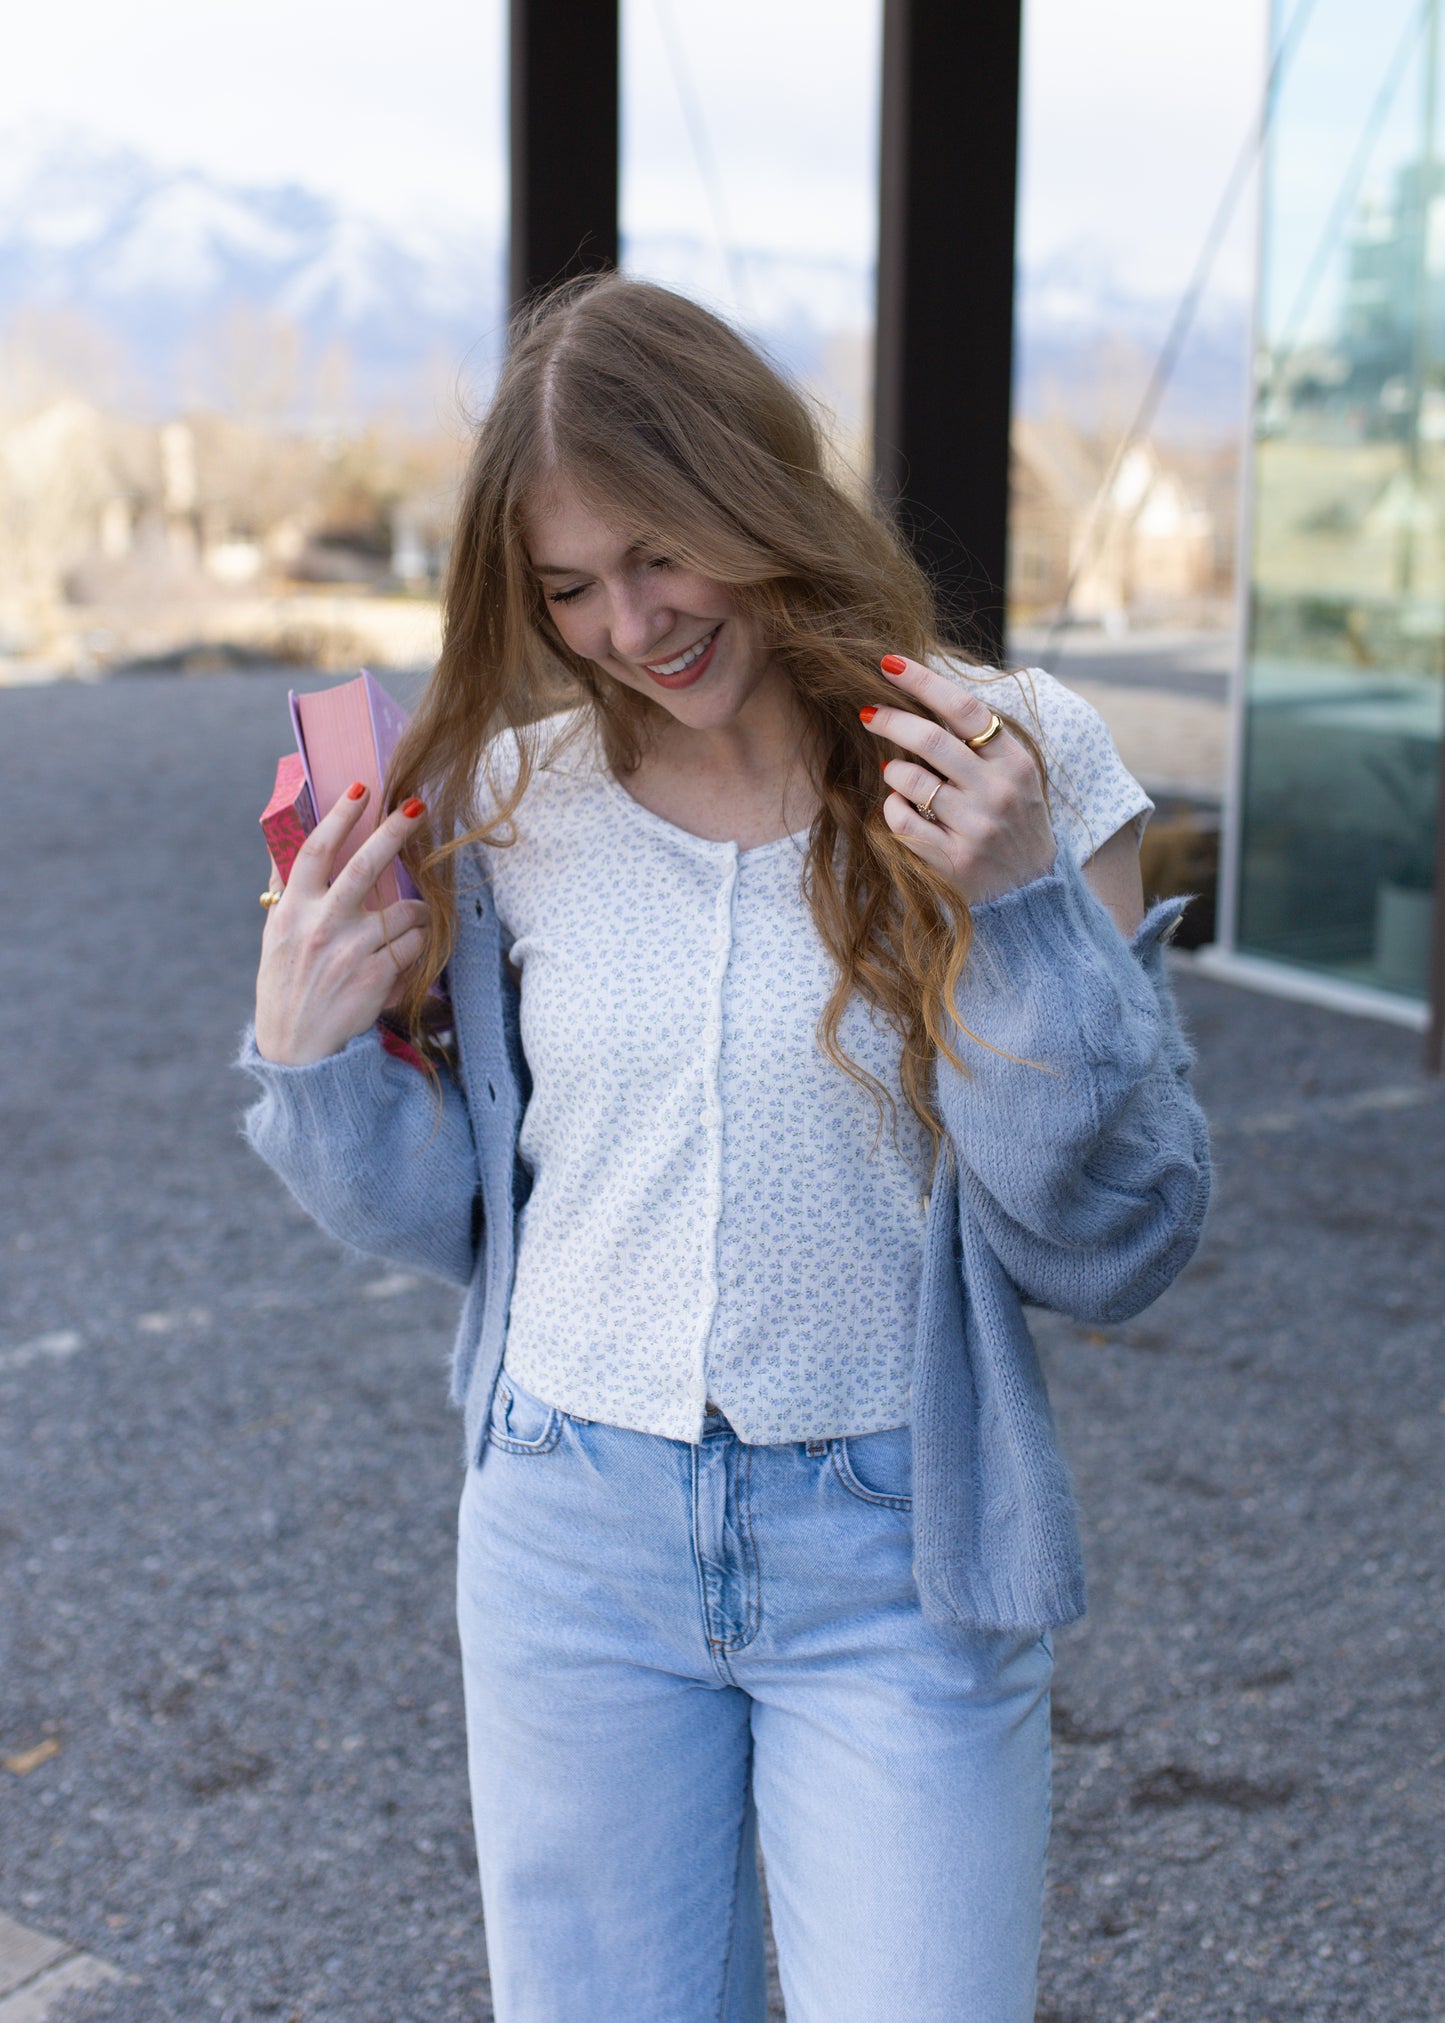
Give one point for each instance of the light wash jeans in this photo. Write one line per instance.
(668, 1648)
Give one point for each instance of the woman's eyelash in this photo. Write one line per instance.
(566, 596)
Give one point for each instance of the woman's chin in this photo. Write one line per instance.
(716, 700)
(704, 708)
(704, 704)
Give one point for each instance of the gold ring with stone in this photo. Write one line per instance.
(270, 898)
(925, 808)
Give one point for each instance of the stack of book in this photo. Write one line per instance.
(343, 734)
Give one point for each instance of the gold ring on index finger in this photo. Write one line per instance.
(270, 897)
(995, 725)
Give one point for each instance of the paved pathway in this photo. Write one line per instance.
(38, 1973)
(228, 1481)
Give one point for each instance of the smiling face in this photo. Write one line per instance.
(668, 632)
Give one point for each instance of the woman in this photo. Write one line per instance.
(793, 1049)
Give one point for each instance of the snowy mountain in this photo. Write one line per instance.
(159, 259)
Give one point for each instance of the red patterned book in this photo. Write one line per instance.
(289, 816)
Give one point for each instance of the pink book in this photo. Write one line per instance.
(344, 734)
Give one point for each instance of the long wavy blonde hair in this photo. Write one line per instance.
(672, 427)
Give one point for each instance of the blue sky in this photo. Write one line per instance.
(1133, 111)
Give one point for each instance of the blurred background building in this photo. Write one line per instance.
(1334, 858)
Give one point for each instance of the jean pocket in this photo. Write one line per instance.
(521, 1423)
(877, 1467)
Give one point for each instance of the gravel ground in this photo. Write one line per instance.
(228, 1481)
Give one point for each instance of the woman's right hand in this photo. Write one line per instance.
(329, 965)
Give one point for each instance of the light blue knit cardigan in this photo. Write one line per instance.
(1082, 1189)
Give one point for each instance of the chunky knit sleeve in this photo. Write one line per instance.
(374, 1152)
(1081, 1150)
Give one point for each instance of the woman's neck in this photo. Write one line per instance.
(745, 782)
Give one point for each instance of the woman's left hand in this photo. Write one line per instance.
(987, 829)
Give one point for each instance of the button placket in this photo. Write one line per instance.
(710, 1108)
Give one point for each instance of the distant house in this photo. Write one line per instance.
(1148, 545)
(122, 538)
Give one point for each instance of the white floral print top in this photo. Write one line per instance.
(716, 1216)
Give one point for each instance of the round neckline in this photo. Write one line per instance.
(677, 833)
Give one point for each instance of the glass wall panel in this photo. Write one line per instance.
(1343, 685)
(750, 179)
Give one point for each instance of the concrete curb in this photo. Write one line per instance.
(36, 1971)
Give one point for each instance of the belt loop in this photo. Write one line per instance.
(817, 1447)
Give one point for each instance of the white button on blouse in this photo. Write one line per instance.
(715, 1214)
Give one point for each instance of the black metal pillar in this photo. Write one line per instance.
(564, 131)
(944, 357)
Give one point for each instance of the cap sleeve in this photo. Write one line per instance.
(1092, 793)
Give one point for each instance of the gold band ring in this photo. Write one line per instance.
(270, 898)
(925, 808)
(995, 725)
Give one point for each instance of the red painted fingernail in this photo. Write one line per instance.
(355, 791)
(868, 713)
(412, 808)
(891, 664)
(885, 765)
